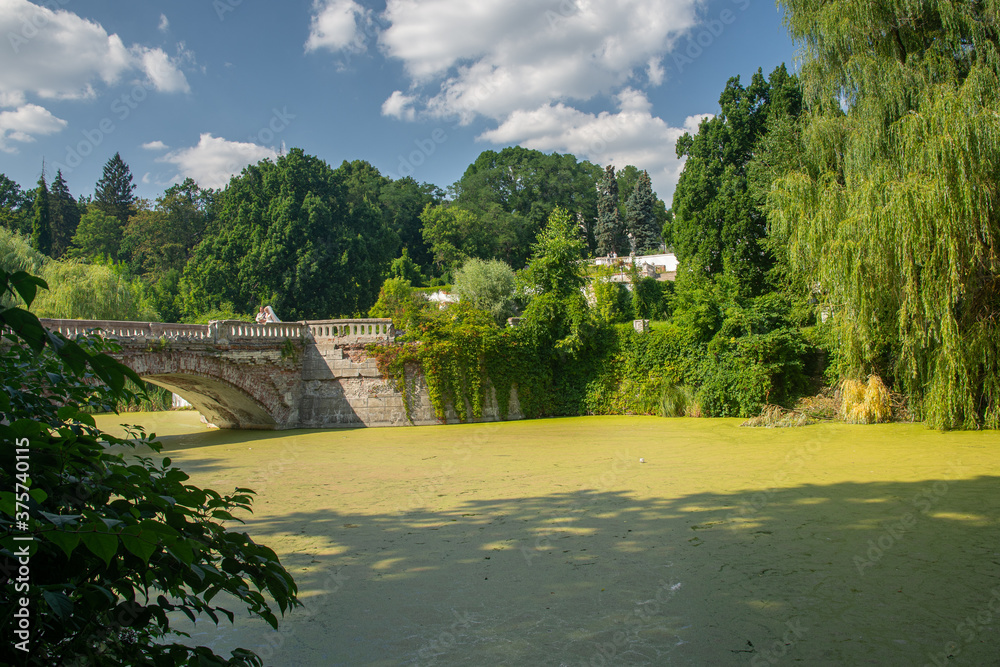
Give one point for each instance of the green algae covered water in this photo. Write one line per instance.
(615, 540)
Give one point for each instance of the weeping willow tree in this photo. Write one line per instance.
(895, 216)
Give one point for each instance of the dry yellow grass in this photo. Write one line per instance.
(865, 403)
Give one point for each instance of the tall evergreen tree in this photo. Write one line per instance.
(609, 230)
(720, 223)
(115, 192)
(640, 216)
(896, 212)
(64, 215)
(41, 223)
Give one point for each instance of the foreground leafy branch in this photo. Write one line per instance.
(117, 542)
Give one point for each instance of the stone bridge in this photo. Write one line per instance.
(310, 374)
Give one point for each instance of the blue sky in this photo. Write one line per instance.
(201, 88)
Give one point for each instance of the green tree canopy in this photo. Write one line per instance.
(287, 234)
(115, 192)
(99, 234)
(41, 220)
(894, 214)
(514, 191)
(641, 220)
(719, 222)
(609, 229)
(489, 285)
(65, 215)
(14, 206)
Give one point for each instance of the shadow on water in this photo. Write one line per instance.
(879, 573)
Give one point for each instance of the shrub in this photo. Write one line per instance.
(488, 285)
(117, 544)
(865, 403)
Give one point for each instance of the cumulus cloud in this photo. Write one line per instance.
(494, 57)
(399, 106)
(337, 25)
(24, 123)
(164, 23)
(214, 160)
(56, 54)
(632, 135)
(155, 146)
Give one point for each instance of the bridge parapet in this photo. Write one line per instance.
(131, 330)
(362, 330)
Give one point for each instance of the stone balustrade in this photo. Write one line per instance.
(231, 331)
(349, 331)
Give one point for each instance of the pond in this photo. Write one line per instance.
(615, 540)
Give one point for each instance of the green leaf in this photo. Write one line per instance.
(65, 540)
(103, 546)
(141, 543)
(25, 325)
(61, 605)
(26, 285)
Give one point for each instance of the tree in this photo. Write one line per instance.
(489, 285)
(13, 206)
(115, 192)
(609, 230)
(719, 222)
(513, 193)
(98, 235)
(453, 234)
(402, 201)
(41, 222)
(65, 215)
(286, 234)
(894, 215)
(118, 545)
(640, 217)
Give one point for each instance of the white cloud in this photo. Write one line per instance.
(56, 54)
(164, 23)
(214, 160)
(654, 71)
(335, 26)
(399, 106)
(155, 146)
(161, 70)
(494, 57)
(630, 136)
(24, 123)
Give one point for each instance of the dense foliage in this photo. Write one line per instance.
(288, 235)
(118, 541)
(893, 214)
(720, 226)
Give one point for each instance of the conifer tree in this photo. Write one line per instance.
(640, 216)
(895, 214)
(609, 231)
(115, 192)
(41, 224)
(64, 215)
